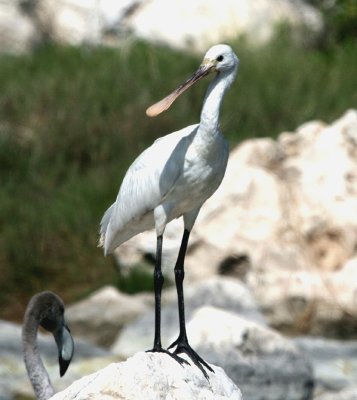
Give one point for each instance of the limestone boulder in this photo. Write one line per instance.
(263, 363)
(311, 301)
(198, 25)
(18, 32)
(78, 22)
(346, 394)
(152, 376)
(181, 24)
(334, 363)
(73, 22)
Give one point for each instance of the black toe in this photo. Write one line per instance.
(184, 347)
(158, 349)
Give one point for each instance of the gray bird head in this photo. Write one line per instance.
(50, 310)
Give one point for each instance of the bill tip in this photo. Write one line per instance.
(150, 112)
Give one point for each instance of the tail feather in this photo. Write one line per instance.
(111, 238)
(104, 225)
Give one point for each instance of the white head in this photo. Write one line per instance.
(219, 58)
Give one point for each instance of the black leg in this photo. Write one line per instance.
(182, 342)
(158, 282)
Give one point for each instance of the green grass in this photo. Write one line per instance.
(72, 120)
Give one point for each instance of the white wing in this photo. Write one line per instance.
(148, 180)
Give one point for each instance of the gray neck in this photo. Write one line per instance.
(213, 99)
(35, 369)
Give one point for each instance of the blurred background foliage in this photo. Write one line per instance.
(73, 119)
(340, 18)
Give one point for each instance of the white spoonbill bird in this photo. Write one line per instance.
(173, 178)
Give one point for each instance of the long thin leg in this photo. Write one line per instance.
(182, 342)
(158, 283)
(179, 277)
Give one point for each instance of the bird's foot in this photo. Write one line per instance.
(159, 349)
(184, 347)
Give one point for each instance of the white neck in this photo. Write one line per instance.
(213, 99)
(35, 369)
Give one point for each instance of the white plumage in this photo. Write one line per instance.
(173, 178)
(178, 172)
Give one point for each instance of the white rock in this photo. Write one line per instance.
(71, 22)
(152, 376)
(212, 327)
(78, 22)
(18, 32)
(100, 317)
(197, 25)
(318, 303)
(181, 24)
(346, 394)
(334, 362)
(257, 359)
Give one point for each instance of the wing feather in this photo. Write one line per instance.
(151, 176)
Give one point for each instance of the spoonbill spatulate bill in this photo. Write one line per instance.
(171, 179)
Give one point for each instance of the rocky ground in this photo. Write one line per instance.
(228, 333)
(145, 375)
(179, 24)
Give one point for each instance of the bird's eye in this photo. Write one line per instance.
(220, 58)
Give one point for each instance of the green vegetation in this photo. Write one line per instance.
(72, 120)
(340, 18)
